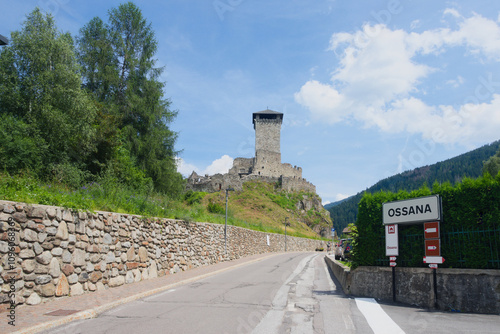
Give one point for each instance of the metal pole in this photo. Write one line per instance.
(435, 288)
(286, 224)
(393, 284)
(225, 229)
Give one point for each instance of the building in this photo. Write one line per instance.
(265, 166)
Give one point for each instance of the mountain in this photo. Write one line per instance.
(453, 170)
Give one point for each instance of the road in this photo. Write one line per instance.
(286, 293)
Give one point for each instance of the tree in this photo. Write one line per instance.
(41, 94)
(492, 165)
(119, 70)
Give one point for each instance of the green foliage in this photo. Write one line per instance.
(41, 91)
(20, 149)
(492, 165)
(452, 170)
(118, 69)
(192, 197)
(469, 231)
(214, 207)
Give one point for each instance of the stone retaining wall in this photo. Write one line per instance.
(49, 252)
(464, 290)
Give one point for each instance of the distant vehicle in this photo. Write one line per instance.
(343, 249)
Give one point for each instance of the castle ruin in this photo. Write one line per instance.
(265, 166)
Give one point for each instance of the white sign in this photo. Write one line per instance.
(391, 240)
(434, 259)
(268, 241)
(414, 210)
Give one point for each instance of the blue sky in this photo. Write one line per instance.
(368, 88)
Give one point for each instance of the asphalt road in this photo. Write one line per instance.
(287, 293)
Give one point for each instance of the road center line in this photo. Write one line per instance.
(376, 317)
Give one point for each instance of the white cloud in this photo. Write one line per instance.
(456, 82)
(221, 165)
(340, 197)
(378, 76)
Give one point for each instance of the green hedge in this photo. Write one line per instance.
(470, 230)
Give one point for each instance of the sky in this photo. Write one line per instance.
(368, 89)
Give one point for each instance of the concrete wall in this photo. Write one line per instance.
(464, 290)
(50, 252)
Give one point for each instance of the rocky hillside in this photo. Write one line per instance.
(263, 204)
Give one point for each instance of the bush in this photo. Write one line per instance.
(216, 208)
(192, 197)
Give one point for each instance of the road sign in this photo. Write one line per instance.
(391, 240)
(432, 247)
(411, 211)
(433, 265)
(392, 259)
(431, 230)
(434, 259)
(392, 264)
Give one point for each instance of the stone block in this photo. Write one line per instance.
(43, 279)
(67, 215)
(26, 254)
(78, 258)
(62, 288)
(76, 289)
(62, 231)
(95, 276)
(29, 235)
(33, 299)
(132, 265)
(44, 258)
(54, 268)
(131, 254)
(36, 212)
(28, 266)
(116, 281)
(143, 254)
(67, 269)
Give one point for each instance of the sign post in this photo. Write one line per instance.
(427, 210)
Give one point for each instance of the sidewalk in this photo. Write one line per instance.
(34, 319)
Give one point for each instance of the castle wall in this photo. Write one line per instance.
(297, 184)
(242, 166)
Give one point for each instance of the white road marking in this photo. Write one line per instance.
(378, 320)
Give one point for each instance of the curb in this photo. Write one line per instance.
(94, 312)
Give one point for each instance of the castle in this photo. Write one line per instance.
(265, 166)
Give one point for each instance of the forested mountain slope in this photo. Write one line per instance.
(453, 170)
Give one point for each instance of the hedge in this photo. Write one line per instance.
(470, 229)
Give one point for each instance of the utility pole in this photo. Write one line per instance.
(225, 225)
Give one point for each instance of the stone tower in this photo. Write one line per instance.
(267, 125)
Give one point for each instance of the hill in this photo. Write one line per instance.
(453, 170)
(262, 205)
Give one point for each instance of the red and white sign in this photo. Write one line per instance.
(434, 259)
(432, 247)
(431, 230)
(433, 265)
(391, 240)
(392, 258)
(392, 264)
